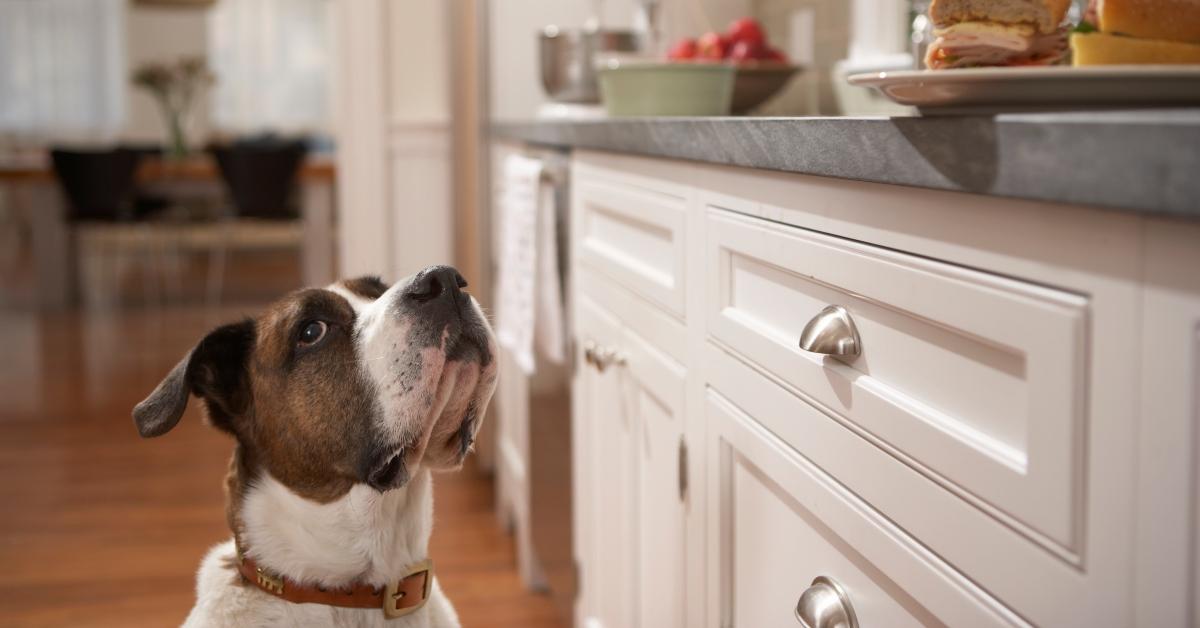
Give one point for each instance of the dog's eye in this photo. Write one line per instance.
(313, 333)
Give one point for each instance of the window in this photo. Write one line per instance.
(62, 68)
(271, 59)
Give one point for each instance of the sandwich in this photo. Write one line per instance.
(980, 33)
(1123, 32)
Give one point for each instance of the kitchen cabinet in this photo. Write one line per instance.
(605, 478)
(629, 416)
(1013, 444)
(630, 513)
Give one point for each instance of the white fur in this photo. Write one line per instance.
(411, 401)
(407, 399)
(363, 536)
(357, 301)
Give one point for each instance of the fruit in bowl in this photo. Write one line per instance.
(746, 30)
(761, 69)
(743, 41)
(712, 46)
(685, 48)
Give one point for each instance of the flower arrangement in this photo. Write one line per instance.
(175, 87)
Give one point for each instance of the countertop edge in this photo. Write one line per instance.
(1141, 161)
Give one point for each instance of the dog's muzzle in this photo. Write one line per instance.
(435, 296)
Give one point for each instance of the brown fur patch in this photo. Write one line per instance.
(314, 407)
(241, 473)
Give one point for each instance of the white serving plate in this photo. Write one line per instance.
(1056, 87)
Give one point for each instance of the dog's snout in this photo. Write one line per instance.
(441, 313)
(435, 282)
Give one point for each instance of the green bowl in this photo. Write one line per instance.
(641, 88)
(757, 82)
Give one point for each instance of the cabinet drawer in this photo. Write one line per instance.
(636, 236)
(974, 380)
(783, 522)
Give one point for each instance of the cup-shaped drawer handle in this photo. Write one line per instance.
(825, 604)
(589, 352)
(832, 332)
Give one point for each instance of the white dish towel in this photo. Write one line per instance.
(529, 307)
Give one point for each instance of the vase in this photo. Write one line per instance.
(177, 146)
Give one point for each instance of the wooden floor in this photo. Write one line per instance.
(101, 528)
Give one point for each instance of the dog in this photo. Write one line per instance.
(341, 401)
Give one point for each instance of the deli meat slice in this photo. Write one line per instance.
(979, 44)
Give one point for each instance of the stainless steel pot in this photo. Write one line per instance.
(568, 60)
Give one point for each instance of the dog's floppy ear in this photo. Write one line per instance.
(159, 412)
(214, 370)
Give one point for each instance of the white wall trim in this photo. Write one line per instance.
(364, 208)
(395, 203)
(422, 210)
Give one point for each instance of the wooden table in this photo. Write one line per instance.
(36, 194)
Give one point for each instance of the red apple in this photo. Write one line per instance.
(711, 46)
(747, 51)
(683, 49)
(747, 30)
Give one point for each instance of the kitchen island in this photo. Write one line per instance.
(938, 371)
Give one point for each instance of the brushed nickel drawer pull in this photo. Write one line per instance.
(832, 332)
(825, 604)
(683, 470)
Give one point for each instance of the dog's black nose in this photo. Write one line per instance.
(435, 282)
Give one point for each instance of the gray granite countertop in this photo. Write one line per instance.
(1145, 161)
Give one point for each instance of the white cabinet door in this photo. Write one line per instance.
(655, 387)
(604, 483)
(629, 520)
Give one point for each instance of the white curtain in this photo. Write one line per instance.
(271, 59)
(62, 68)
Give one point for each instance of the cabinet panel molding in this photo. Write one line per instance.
(981, 378)
(829, 531)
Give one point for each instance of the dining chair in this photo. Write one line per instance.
(260, 176)
(98, 185)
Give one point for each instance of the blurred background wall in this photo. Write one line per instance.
(154, 33)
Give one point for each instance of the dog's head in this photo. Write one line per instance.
(357, 383)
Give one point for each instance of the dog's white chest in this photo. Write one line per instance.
(223, 600)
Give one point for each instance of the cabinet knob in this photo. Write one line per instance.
(825, 604)
(606, 357)
(602, 357)
(832, 332)
(589, 352)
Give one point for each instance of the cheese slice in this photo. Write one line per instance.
(988, 28)
(1008, 36)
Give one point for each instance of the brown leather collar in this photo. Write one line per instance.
(397, 599)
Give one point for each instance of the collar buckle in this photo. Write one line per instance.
(398, 598)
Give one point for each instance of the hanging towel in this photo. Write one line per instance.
(529, 310)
